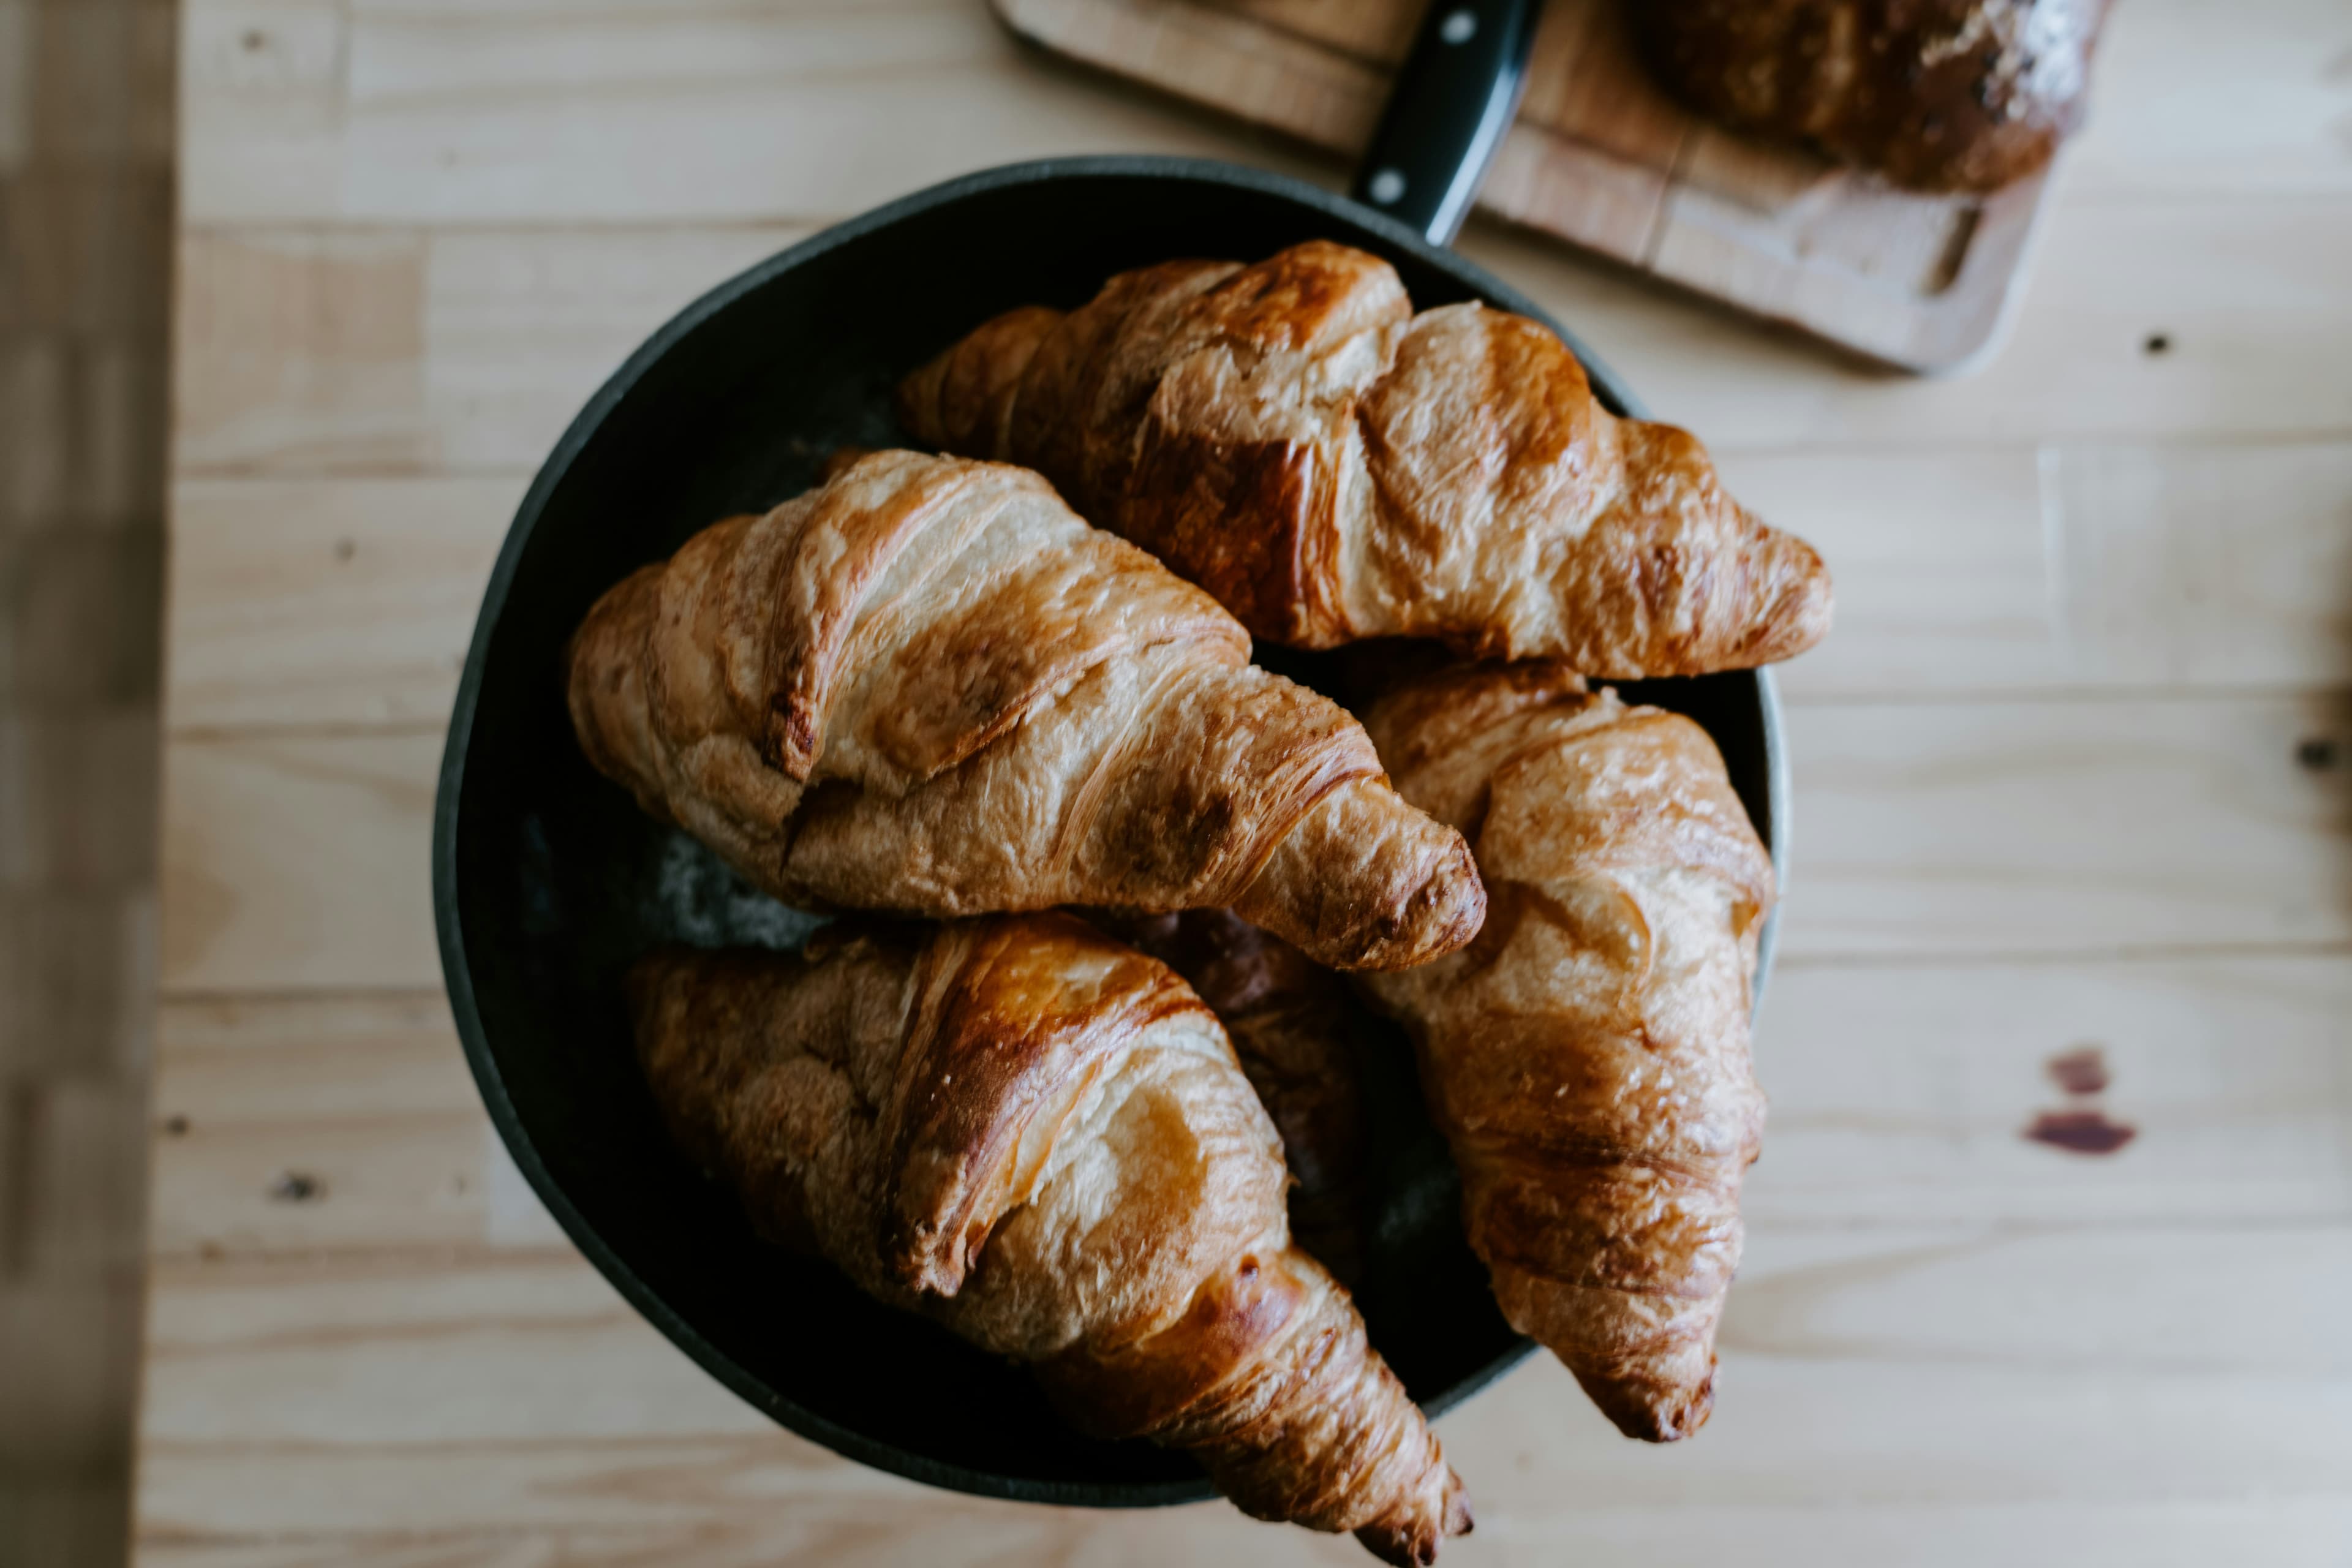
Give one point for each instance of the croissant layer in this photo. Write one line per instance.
(1331, 466)
(1587, 1057)
(1297, 1029)
(929, 688)
(1040, 1139)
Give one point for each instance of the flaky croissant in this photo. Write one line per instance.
(1587, 1057)
(1938, 95)
(1329, 465)
(929, 688)
(1040, 1138)
(1296, 1029)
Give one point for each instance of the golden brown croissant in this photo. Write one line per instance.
(1040, 1139)
(929, 687)
(1587, 1057)
(1329, 465)
(1296, 1030)
(1938, 95)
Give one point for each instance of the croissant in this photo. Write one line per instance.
(1296, 1029)
(1587, 1057)
(1937, 95)
(1329, 465)
(1040, 1139)
(929, 688)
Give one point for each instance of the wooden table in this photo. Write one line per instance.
(2073, 772)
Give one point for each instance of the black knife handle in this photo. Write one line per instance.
(1453, 103)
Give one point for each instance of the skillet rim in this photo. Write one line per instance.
(449, 783)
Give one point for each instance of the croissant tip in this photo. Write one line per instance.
(1651, 1411)
(1405, 1546)
(1443, 914)
(1810, 610)
(1799, 617)
(1458, 1520)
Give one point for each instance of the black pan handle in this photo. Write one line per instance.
(1453, 103)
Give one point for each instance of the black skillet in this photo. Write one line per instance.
(546, 880)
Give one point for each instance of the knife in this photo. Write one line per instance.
(1446, 117)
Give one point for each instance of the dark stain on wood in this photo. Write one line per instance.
(296, 1187)
(2085, 1128)
(2081, 1131)
(2082, 1070)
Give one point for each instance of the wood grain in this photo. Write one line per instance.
(1924, 1075)
(365, 1099)
(303, 110)
(302, 1342)
(297, 603)
(508, 332)
(299, 863)
(2067, 828)
(402, 349)
(323, 1363)
(2244, 307)
(1980, 828)
(1927, 1075)
(348, 602)
(319, 1352)
(2054, 793)
(2297, 1532)
(2103, 566)
(388, 110)
(2168, 121)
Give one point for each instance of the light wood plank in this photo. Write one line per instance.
(303, 603)
(366, 1099)
(2108, 1378)
(299, 863)
(340, 350)
(2289, 1532)
(2245, 292)
(319, 1186)
(311, 112)
(1952, 829)
(2067, 828)
(424, 232)
(317, 336)
(323, 603)
(373, 349)
(2080, 1306)
(2108, 566)
(2182, 104)
(307, 109)
(1926, 1075)
(2203, 564)
(327, 1353)
(656, 112)
(258, 1061)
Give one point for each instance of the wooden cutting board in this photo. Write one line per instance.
(1601, 157)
